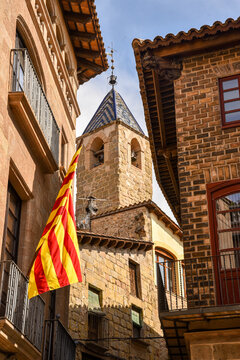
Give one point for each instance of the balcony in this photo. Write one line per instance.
(58, 344)
(197, 295)
(32, 111)
(200, 282)
(21, 320)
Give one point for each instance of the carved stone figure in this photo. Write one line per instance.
(168, 69)
(91, 209)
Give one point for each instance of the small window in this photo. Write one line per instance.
(136, 315)
(97, 153)
(12, 223)
(165, 263)
(230, 100)
(135, 280)
(135, 154)
(94, 296)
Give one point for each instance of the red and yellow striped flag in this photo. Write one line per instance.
(57, 261)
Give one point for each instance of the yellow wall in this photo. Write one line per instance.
(164, 238)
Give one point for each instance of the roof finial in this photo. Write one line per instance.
(112, 78)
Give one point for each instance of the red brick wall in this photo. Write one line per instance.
(206, 152)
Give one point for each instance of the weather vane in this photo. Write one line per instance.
(112, 78)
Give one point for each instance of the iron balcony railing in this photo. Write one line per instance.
(98, 329)
(25, 79)
(199, 282)
(58, 344)
(26, 315)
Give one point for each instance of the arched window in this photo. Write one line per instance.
(165, 269)
(97, 153)
(136, 153)
(224, 215)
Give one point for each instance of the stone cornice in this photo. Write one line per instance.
(108, 241)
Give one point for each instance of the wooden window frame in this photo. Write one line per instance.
(166, 256)
(224, 188)
(137, 329)
(135, 279)
(234, 123)
(10, 190)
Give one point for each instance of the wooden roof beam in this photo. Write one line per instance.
(159, 108)
(120, 244)
(80, 35)
(95, 241)
(75, 1)
(86, 240)
(172, 176)
(76, 17)
(88, 64)
(169, 150)
(85, 53)
(104, 242)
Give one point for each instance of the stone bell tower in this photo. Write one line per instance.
(115, 164)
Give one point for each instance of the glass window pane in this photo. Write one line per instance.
(232, 116)
(136, 316)
(228, 95)
(229, 84)
(229, 202)
(93, 299)
(233, 105)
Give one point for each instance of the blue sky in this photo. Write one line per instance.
(123, 20)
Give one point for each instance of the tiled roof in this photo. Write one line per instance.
(109, 241)
(112, 108)
(84, 30)
(205, 30)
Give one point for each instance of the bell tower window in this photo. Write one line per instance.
(97, 153)
(135, 154)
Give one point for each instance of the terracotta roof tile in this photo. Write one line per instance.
(169, 39)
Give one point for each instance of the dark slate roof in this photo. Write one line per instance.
(113, 107)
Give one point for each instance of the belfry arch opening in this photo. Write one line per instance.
(97, 153)
(136, 154)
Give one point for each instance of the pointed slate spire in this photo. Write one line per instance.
(112, 108)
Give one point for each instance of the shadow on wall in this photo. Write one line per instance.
(114, 332)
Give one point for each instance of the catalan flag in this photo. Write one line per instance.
(57, 259)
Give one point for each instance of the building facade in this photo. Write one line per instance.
(114, 312)
(48, 48)
(194, 111)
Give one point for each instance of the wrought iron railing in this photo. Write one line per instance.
(98, 329)
(25, 79)
(58, 344)
(199, 282)
(26, 315)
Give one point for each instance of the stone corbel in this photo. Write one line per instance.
(168, 69)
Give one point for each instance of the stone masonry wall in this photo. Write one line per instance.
(117, 181)
(135, 184)
(19, 162)
(101, 181)
(108, 271)
(132, 223)
(206, 152)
